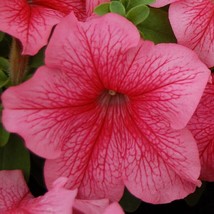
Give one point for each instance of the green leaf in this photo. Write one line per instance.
(4, 136)
(4, 64)
(14, 155)
(194, 198)
(124, 2)
(134, 3)
(102, 9)
(157, 27)
(1, 36)
(138, 14)
(129, 202)
(117, 7)
(38, 59)
(4, 80)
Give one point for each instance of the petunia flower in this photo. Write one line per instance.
(109, 110)
(15, 196)
(193, 24)
(32, 21)
(202, 127)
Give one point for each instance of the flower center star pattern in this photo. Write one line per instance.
(109, 110)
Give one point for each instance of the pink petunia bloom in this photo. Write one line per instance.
(193, 24)
(15, 196)
(109, 110)
(32, 21)
(202, 127)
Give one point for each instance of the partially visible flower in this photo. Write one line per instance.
(15, 196)
(32, 21)
(202, 127)
(109, 110)
(193, 24)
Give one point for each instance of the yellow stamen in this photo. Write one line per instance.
(112, 92)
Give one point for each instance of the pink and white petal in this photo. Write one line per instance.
(91, 4)
(13, 189)
(98, 44)
(193, 24)
(161, 165)
(162, 3)
(90, 206)
(43, 110)
(114, 208)
(202, 127)
(56, 200)
(167, 79)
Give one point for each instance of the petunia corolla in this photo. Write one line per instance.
(32, 21)
(109, 110)
(193, 25)
(15, 196)
(202, 127)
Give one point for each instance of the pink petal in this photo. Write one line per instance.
(12, 190)
(114, 208)
(161, 3)
(57, 200)
(193, 24)
(168, 79)
(31, 23)
(83, 40)
(202, 127)
(91, 4)
(161, 167)
(90, 206)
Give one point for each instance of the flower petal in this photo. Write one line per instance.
(91, 159)
(57, 200)
(91, 45)
(202, 127)
(162, 3)
(13, 189)
(31, 23)
(193, 24)
(114, 208)
(90, 206)
(168, 79)
(161, 164)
